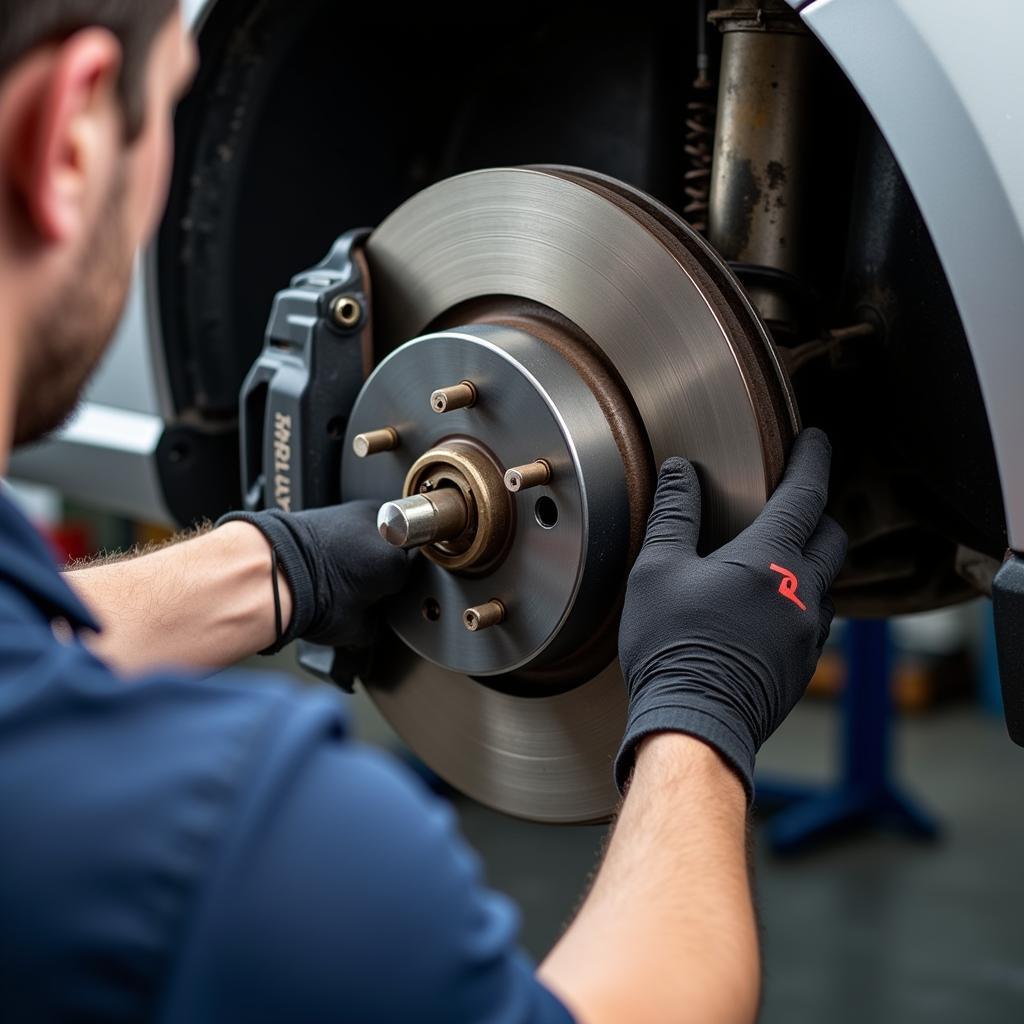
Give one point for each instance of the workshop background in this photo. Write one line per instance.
(883, 919)
(735, 218)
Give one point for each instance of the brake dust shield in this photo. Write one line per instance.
(630, 311)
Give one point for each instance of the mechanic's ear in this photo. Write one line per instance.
(71, 133)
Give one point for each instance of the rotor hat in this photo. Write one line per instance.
(558, 571)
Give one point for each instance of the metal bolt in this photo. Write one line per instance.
(458, 396)
(521, 478)
(483, 616)
(423, 518)
(374, 441)
(346, 310)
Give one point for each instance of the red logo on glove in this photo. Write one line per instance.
(788, 585)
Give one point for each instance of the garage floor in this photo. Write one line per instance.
(872, 928)
(875, 928)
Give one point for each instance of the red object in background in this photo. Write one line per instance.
(69, 541)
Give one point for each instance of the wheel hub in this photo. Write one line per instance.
(555, 555)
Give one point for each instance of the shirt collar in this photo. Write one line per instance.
(27, 562)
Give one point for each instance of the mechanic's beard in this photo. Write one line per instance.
(73, 332)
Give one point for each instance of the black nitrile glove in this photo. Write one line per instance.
(337, 566)
(722, 647)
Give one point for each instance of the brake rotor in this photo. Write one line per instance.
(620, 339)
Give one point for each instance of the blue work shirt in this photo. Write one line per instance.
(178, 848)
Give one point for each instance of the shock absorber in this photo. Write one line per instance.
(760, 173)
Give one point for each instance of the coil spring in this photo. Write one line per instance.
(699, 144)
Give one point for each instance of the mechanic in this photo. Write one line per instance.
(187, 847)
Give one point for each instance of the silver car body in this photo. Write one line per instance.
(942, 80)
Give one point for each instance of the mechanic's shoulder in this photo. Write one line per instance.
(375, 818)
(404, 844)
(122, 795)
(262, 724)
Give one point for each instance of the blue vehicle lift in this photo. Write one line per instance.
(866, 795)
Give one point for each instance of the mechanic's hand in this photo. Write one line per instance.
(722, 647)
(337, 566)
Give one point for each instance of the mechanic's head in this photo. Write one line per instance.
(87, 94)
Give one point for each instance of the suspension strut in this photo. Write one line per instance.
(759, 180)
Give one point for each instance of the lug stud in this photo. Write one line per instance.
(374, 441)
(521, 478)
(458, 396)
(483, 616)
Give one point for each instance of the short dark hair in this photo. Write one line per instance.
(26, 24)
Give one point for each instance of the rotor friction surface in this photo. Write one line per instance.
(548, 237)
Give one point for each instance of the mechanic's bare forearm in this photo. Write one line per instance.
(667, 932)
(205, 602)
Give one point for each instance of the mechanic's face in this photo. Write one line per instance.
(120, 195)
